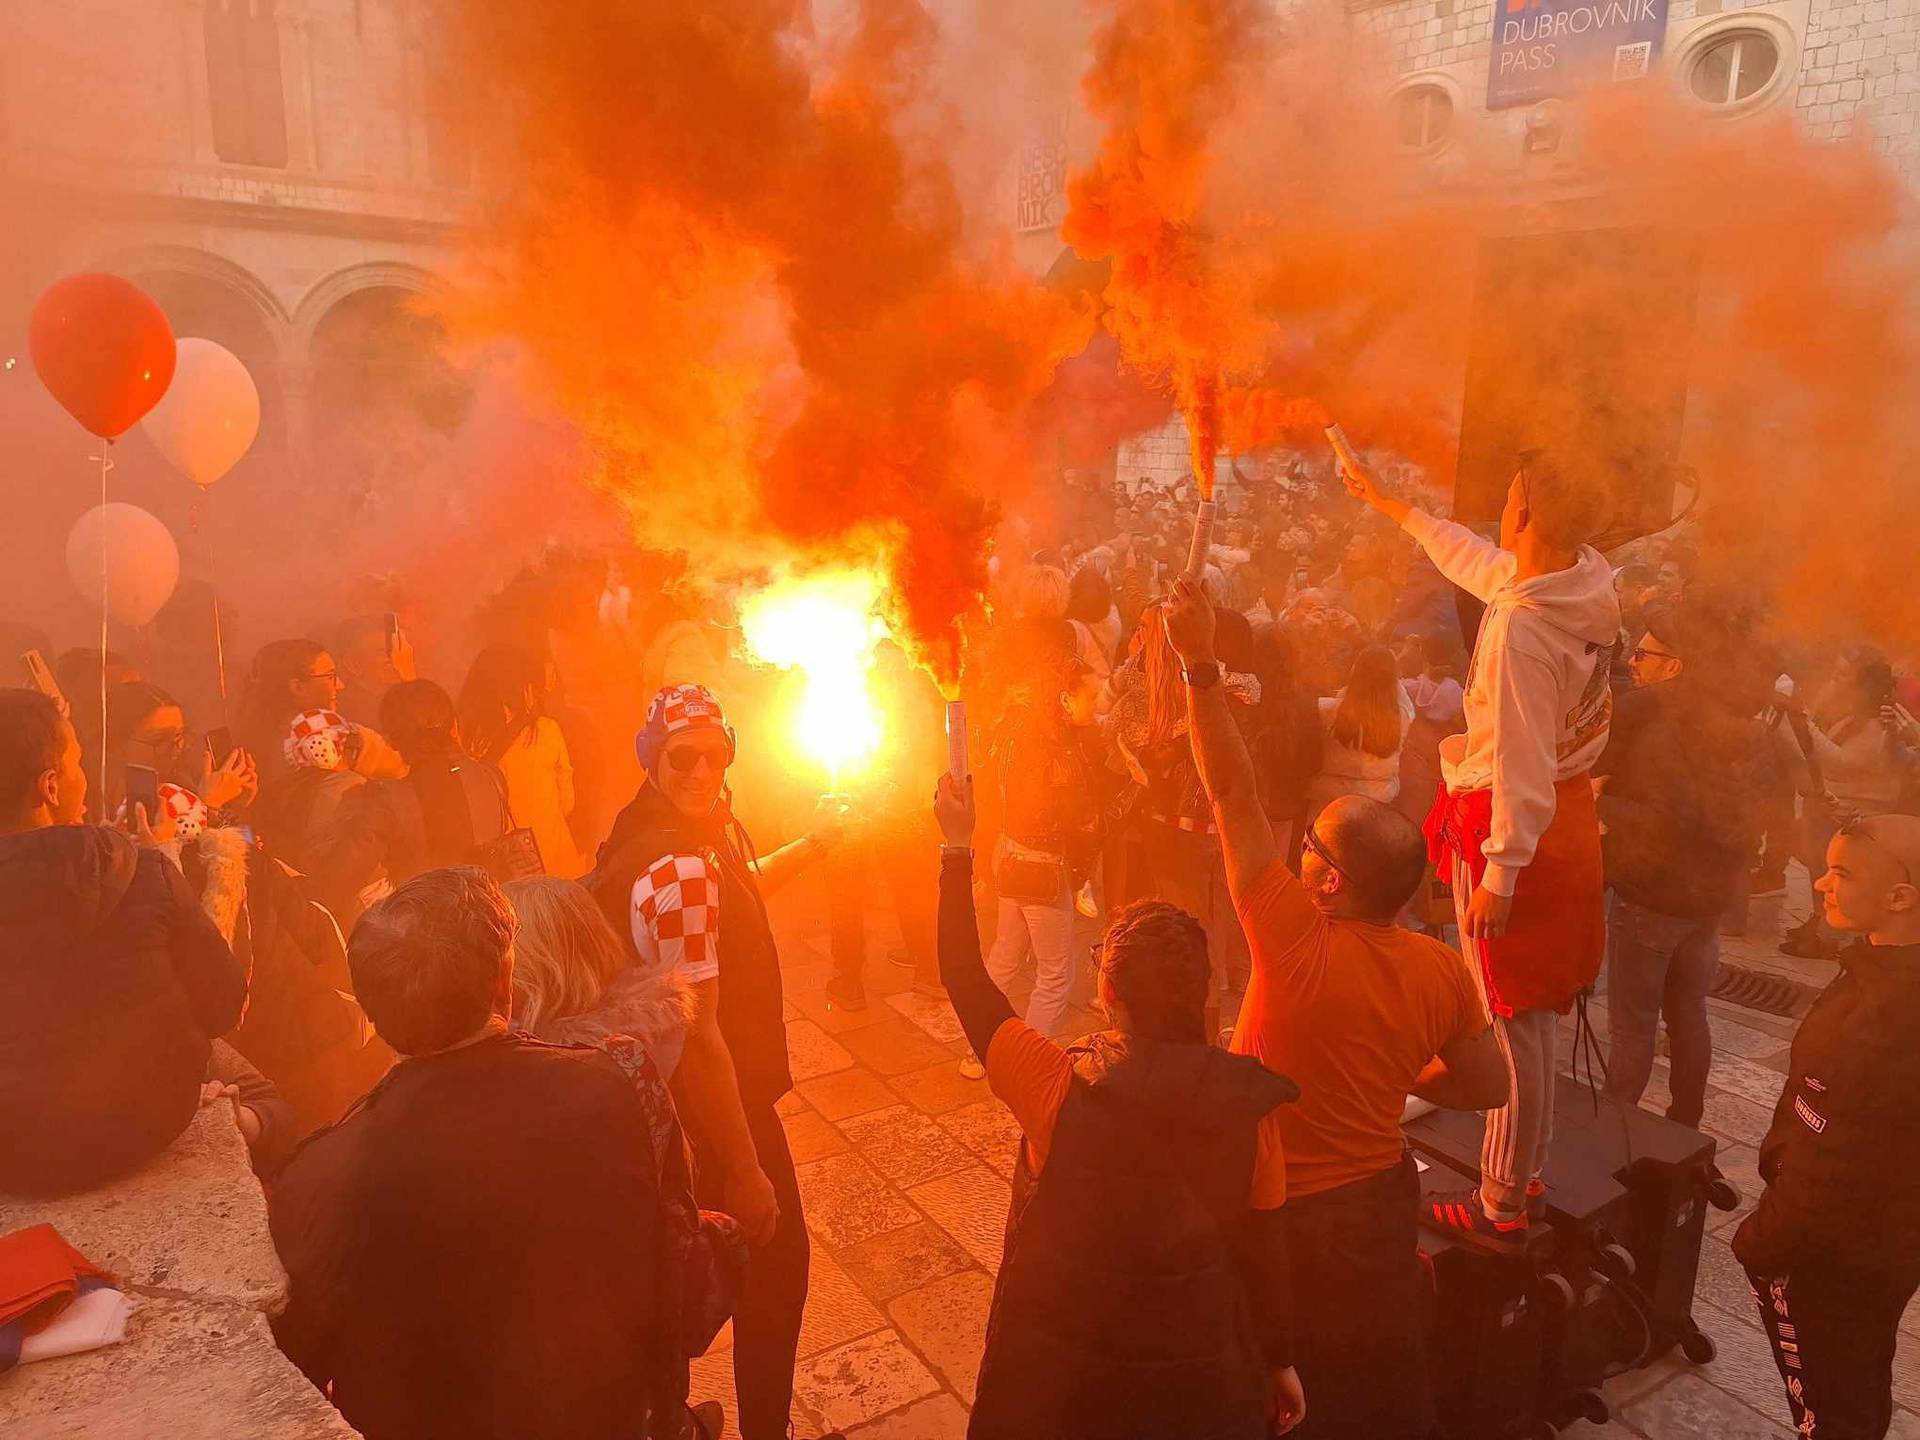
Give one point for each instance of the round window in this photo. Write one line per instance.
(1733, 67)
(1424, 115)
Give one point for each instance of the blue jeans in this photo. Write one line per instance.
(1659, 966)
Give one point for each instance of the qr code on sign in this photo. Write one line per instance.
(1630, 61)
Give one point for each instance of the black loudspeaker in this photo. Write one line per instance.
(1486, 1331)
(1610, 1272)
(1581, 344)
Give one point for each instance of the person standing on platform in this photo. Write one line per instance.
(1515, 827)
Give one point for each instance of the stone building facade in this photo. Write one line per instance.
(268, 169)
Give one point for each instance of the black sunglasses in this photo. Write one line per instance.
(686, 758)
(1311, 841)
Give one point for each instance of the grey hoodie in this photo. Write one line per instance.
(1537, 701)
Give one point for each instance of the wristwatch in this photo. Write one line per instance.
(1203, 676)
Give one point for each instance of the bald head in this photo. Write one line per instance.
(1872, 881)
(1380, 851)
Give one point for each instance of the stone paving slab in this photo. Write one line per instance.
(941, 1418)
(811, 1052)
(1744, 1078)
(971, 1206)
(838, 1310)
(811, 1136)
(1744, 1367)
(836, 1019)
(1688, 1407)
(850, 1092)
(862, 1380)
(989, 1130)
(905, 1146)
(848, 1201)
(932, 1014)
(940, 1088)
(894, 1046)
(947, 1323)
(906, 1259)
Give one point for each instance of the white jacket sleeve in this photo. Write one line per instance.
(1476, 565)
(1526, 727)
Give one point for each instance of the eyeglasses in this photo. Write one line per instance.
(686, 759)
(1312, 842)
(1641, 652)
(164, 740)
(330, 676)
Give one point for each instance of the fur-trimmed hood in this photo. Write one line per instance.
(217, 862)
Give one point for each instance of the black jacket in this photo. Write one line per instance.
(474, 1252)
(1842, 1157)
(1141, 1295)
(1684, 774)
(112, 983)
(750, 1012)
(440, 814)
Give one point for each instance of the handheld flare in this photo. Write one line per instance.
(1202, 539)
(957, 741)
(1343, 447)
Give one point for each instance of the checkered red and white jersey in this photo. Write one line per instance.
(675, 914)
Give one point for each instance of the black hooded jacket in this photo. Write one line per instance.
(112, 983)
(1842, 1157)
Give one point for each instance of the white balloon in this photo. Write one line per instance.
(137, 555)
(210, 414)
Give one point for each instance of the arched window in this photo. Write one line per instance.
(1733, 66)
(1423, 115)
(243, 82)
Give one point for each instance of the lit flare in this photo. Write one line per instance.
(826, 625)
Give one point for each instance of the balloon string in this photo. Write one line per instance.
(105, 457)
(220, 656)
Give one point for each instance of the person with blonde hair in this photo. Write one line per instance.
(1042, 593)
(573, 982)
(1363, 728)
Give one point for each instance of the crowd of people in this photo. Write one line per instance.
(507, 1052)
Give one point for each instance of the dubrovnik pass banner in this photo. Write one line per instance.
(1548, 48)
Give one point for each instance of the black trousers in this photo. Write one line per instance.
(1833, 1333)
(1359, 1344)
(766, 1326)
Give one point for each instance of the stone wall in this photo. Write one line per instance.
(187, 1238)
(1845, 66)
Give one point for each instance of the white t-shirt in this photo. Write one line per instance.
(675, 917)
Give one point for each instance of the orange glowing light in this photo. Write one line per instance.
(826, 625)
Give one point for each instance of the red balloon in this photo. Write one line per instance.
(104, 348)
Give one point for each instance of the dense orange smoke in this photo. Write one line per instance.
(738, 255)
(1275, 248)
(1252, 417)
(738, 258)
(1165, 76)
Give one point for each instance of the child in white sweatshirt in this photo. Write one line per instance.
(1515, 825)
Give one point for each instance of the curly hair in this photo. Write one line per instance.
(1154, 960)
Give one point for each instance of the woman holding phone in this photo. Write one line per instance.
(147, 735)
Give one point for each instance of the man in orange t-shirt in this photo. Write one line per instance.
(1359, 1013)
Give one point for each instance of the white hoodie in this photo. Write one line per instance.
(1537, 700)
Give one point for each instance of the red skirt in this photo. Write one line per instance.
(1556, 936)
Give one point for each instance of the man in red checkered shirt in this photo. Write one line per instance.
(677, 879)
